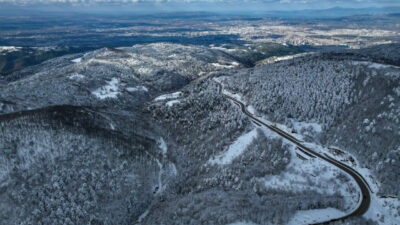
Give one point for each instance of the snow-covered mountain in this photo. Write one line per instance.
(147, 135)
(125, 77)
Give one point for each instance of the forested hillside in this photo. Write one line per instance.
(155, 134)
(355, 102)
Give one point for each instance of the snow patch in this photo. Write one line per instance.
(251, 110)
(77, 60)
(164, 149)
(108, 91)
(230, 66)
(236, 64)
(168, 96)
(275, 59)
(145, 70)
(298, 126)
(160, 185)
(112, 126)
(8, 49)
(233, 95)
(137, 88)
(296, 177)
(315, 216)
(172, 102)
(374, 65)
(174, 170)
(224, 49)
(76, 76)
(163, 146)
(46, 48)
(235, 150)
(384, 211)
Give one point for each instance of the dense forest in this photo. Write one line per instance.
(354, 101)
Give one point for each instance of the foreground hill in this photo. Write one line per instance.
(337, 101)
(64, 165)
(355, 102)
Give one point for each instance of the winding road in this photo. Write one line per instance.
(365, 197)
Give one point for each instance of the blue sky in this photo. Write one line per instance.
(202, 5)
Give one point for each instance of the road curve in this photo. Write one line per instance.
(361, 182)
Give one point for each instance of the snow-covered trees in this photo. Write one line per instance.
(59, 167)
(297, 89)
(98, 157)
(355, 101)
(203, 124)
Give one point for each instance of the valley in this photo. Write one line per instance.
(200, 119)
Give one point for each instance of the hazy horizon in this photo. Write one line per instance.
(165, 6)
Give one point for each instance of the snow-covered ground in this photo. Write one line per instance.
(76, 76)
(286, 129)
(160, 186)
(110, 90)
(172, 102)
(137, 88)
(77, 60)
(373, 65)
(170, 168)
(275, 59)
(46, 48)
(163, 146)
(251, 110)
(304, 217)
(230, 66)
(295, 177)
(166, 169)
(383, 210)
(235, 149)
(298, 126)
(168, 96)
(116, 63)
(7, 49)
(145, 70)
(223, 49)
(233, 95)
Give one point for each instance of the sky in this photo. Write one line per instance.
(193, 5)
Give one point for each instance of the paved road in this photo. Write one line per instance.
(361, 182)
